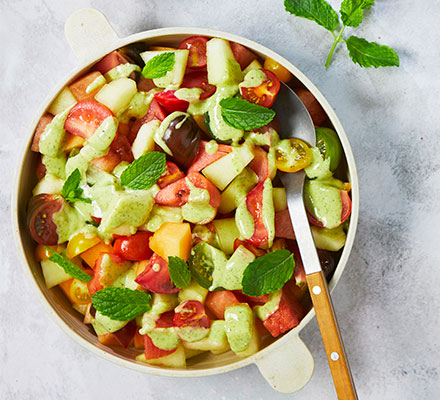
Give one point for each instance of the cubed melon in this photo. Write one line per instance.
(222, 172)
(226, 233)
(117, 95)
(172, 239)
(144, 141)
(53, 273)
(64, 100)
(176, 359)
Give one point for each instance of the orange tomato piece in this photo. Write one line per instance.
(80, 243)
(91, 255)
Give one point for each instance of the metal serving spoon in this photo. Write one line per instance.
(296, 123)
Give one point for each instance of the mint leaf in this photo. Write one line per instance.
(370, 54)
(158, 66)
(179, 272)
(316, 10)
(144, 172)
(241, 114)
(352, 11)
(69, 267)
(121, 304)
(70, 191)
(268, 273)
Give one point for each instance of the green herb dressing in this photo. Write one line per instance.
(318, 167)
(55, 165)
(211, 147)
(263, 312)
(192, 334)
(164, 338)
(110, 325)
(121, 71)
(52, 137)
(162, 214)
(230, 275)
(69, 221)
(98, 82)
(138, 105)
(268, 211)
(244, 221)
(197, 209)
(270, 138)
(253, 78)
(191, 95)
(96, 146)
(216, 341)
(239, 327)
(323, 198)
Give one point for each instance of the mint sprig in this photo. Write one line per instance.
(69, 267)
(352, 14)
(144, 172)
(71, 190)
(268, 273)
(241, 114)
(179, 272)
(158, 66)
(316, 10)
(370, 54)
(121, 304)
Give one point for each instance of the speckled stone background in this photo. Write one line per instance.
(388, 299)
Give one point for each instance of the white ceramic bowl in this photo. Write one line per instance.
(285, 363)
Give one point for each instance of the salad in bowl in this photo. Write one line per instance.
(158, 210)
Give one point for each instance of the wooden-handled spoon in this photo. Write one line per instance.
(296, 123)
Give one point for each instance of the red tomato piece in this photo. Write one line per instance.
(197, 51)
(265, 93)
(283, 225)
(255, 250)
(110, 61)
(40, 170)
(289, 313)
(145, 84)
(170, 103)
(243, 55)
(191, 313)
(40, 218)
(85, 117)
(135, 247)
(125, 335)
(172, 174)
(176, 194)
(315, 110)
(199, 79)
(156, 277)
(252, 300)
(120, 150)
(254, 203)
(152, 352)
(154, 111)
(260, 164)
(42, 123)
(218, 302)
(346, 205)
(204, 158)
(166, 320)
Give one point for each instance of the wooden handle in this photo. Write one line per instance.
(331, 336)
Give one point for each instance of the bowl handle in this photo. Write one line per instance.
(289, 366)
(90, 35)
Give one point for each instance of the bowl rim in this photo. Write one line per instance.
(163, 33)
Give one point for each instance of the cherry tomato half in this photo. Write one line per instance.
(199, 79)
(80, 243)
(85, 117)
(292, 155)
(191, 313)
(170, 103)
(282, 73)
(135, 247)
(171, 174)
(40, 212)
(156, 277)
(329, 145)
(263, 94)
(197, 51)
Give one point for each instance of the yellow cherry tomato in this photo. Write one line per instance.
(292, 155)
(77, 291)
(282, 73)
(80, 243)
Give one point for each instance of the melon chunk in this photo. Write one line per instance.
(117, 95)
(172, 239)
